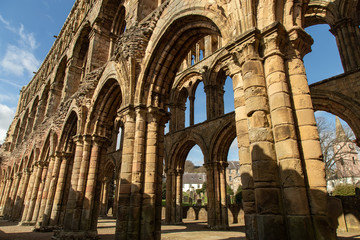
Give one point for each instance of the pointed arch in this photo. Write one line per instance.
(162, 65)
(179, 151)
(106, 102)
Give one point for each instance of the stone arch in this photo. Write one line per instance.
(30, 161)
(181, 33)
(220, 144)
(113, 14)
(57, 86)
(39, 117)
(177, 155)
(339, 105)
(15, 135)
(78, 66)
(107, 184)
(66, 155)
(69, 130)
(184, 88)
(106, 103)
(32, 115)
(22, 127)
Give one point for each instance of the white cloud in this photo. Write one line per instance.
(27, 39)
(6, 117)
(7, 98)
(12, 83)
(18, 60)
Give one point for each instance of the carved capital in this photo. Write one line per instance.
(300, 43)
(246, 48)
(157, 115)
(274, 40)
(126, 113)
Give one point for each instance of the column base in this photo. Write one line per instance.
(80, 235)
(27, 223)
(219, 227)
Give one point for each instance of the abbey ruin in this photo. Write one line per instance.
(127, 68)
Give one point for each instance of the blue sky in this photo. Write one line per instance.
(26, 35)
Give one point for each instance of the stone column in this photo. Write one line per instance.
(82, 144)
(60, 189)
(210, 102)
(247, 181)
(45, 192)
(210, 189)
(270, 221)
(12, 197)
(197, 53)
(173, 197)
(125, 175)
(137, 178)
(169, 190)
(148, 213)
(29, 191)
(347, 37)
(308, 138)
(19, 201)
(179, 183)
(208, 46)
(291, 175)
(3, 185)
(5, 197)
(34, 193)
(40, 192)
(52, 188)
(192, 100)
(224, 210)
(88, 210)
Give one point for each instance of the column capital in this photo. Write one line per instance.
(222, 164)
(300, 43)
(100, 140)
(179, 172)
(275, 40)
(157, 115)
(78, 139)
(128, 110)
(246, 47)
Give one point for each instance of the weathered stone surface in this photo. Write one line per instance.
(88, 134)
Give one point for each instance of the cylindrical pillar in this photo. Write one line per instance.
(179, 177)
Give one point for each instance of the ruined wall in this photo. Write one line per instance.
(131, 65)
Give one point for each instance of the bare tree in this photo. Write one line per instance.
(333, 146)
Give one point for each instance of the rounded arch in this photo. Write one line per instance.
(105, 105)
(222, 140)
(24, 120)
(78, 60)
(113, 16)
(69, 130)
(180, 150)
(15, 135)
(179, 35)
(339, 105)
(57, 86)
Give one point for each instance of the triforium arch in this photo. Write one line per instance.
(114, 74)
(174, 169)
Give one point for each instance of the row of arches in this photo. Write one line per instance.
(71, 196)
(69, 74)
